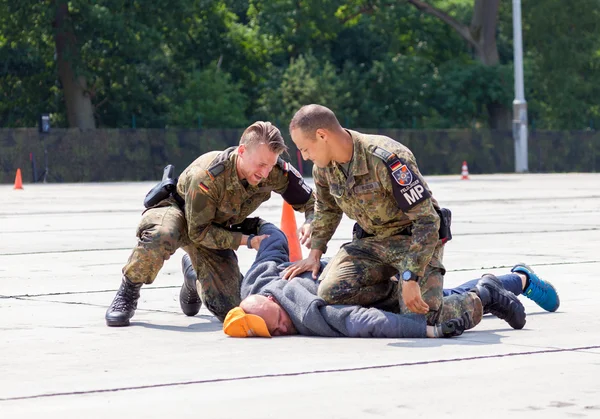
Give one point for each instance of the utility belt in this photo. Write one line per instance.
(167, 188)
(445, 232)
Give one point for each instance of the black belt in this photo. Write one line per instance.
(359, 233)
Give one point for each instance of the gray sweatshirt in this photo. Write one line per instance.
(310, 314)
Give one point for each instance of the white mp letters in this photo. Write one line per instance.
(414, 194)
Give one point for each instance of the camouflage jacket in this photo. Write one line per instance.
(215, 198)
(367, 195)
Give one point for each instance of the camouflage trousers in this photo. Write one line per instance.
(361, 274)
(163, 230)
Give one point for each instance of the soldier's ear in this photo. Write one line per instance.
(320, 134)
(241, 149)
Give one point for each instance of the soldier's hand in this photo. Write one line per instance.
(304, 233)
(308, 264)
(256, 240)
(456, 327)
(411, 293)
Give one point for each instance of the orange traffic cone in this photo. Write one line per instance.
(288, 226)
(465, 171)
(18, 180)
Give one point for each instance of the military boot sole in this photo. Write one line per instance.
(117, 323)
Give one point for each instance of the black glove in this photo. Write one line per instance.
(456, 327)
(247, 227)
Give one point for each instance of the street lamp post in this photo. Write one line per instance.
(519, 104)
(45, 130)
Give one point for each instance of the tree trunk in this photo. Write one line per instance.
(80, 111)
(481, 36)
(483, 30)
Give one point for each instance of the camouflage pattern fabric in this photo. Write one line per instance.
(359, 274)
(214, 202)
(219, 278)
(366, 196)
(402, 239)
(160, 233)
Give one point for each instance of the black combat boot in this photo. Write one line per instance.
(123, 306)
(189, 300)
(500, 302)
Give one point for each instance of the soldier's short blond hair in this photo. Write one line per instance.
(264, 132)
(310, 118)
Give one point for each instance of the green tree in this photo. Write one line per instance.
(461, 93)
(562, 47)
(118, 58)
(306, 80)
(28, 84)
(208, 98)
(479, 34)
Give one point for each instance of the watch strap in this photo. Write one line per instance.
(249, 242)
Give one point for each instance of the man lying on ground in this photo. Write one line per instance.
(273, 306)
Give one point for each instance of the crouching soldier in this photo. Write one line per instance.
(207, 217)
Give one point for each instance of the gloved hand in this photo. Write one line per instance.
(456, 326)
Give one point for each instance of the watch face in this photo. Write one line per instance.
(406, 275)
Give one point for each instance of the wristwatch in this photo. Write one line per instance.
(249, 242)
(409, 275)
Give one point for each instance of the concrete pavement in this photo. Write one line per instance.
(62, 247)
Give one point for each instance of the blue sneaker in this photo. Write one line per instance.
(542, 292)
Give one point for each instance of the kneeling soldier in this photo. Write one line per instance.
(207, 217)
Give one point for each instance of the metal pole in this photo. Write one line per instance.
(519, 104)
(45, 160)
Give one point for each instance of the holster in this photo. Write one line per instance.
(359, 233)
(165, 189)
(445, 224)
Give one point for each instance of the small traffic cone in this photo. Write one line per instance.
(465, 171)
(288, 226)
(18, 180)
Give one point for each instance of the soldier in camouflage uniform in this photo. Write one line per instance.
(216, 193)
(375, 181)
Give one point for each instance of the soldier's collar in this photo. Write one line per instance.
(359, 162)
(233, 156)
(235, 183)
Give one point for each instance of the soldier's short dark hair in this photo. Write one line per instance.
(310, 118)
(264, 132)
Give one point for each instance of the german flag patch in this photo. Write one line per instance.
(396, 164)
(203, 187)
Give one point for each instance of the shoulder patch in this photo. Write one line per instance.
(218, 164)
(286, 167)
(407, 186)
(401, 173)
(215, 170)
(297, 191)
(382, 153)
(282, 163)
(203, 187)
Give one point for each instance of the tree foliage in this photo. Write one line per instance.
(377, 63)
(211, 98)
